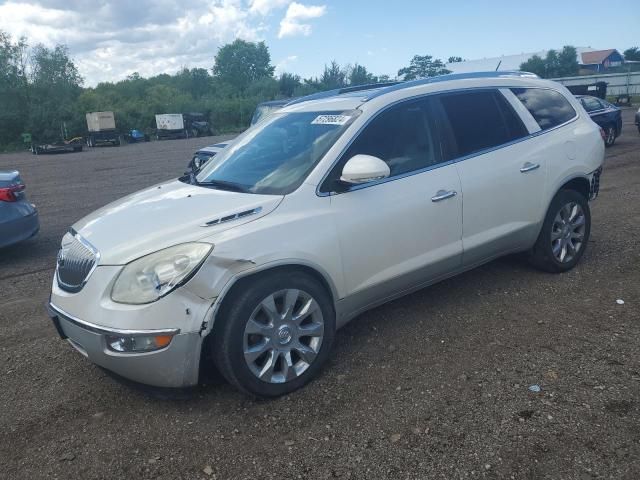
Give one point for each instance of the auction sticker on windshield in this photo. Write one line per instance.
(331, 120)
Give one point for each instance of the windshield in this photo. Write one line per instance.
(263, 111)
(276, 155)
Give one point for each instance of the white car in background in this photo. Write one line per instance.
(327, 208)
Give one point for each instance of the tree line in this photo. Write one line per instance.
(43, 94)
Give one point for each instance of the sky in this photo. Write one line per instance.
(110, 39)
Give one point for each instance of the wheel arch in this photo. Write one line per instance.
(237, 281)
(580, 184)
(241, 279)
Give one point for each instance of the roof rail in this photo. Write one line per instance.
(387, 87)
(453, 76)
(339, 91)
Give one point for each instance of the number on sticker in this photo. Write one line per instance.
(331, 120)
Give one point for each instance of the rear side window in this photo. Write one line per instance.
(480, 120)
(548, 107)
(591, 104)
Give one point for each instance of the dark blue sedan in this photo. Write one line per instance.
(608, 116)
(18, 218)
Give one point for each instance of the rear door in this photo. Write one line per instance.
(502, 177)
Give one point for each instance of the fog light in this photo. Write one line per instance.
(138, 343)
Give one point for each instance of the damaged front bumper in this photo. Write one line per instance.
(174, 365)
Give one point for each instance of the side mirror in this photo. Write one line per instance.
(364, 169)
(196, 164)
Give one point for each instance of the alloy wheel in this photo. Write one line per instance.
(611, 136)
(567, 232)
(283, 336)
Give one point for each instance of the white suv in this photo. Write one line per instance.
(336, 204)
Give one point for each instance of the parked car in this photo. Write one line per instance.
(136, 136)
(263, 110)
(18, 217)
(608, 116)
(327, 208)
(638, 120)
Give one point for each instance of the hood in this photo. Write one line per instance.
(165, 215)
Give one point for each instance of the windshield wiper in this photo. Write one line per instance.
(222, 185)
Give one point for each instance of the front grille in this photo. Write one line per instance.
(76, 260)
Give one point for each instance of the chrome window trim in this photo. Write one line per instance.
(525, 115)
(319, 193)
(92, 249)
(92, 327)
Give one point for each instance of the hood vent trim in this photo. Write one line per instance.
(230, 218)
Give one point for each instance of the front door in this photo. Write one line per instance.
(398, 233)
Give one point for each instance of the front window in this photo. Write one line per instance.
(263, 111)
(276, 155)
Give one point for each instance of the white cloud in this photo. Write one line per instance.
(282, 65)
(263, 7)
(293, 22)
(120, 37)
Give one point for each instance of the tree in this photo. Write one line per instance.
(196, 81)
(240, 63)
(358, 75)
(55, 85)
(535, 64)
(455, 60)
(555, 64)
(333, 76)
(422, 67)
(287, 84)
(632, 54)
(567, 62)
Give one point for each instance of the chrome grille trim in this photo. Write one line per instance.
(75, 263)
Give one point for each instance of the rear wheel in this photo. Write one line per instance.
(276, 333)
(609, 136)
(565, 233)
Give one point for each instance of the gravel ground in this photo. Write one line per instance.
(433, 385)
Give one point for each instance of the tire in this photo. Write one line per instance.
(245, 326)
(564, 229)
(609, 136)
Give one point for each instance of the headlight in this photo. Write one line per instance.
(149, 278)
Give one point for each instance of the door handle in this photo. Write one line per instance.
(443, 195)
(528, 166)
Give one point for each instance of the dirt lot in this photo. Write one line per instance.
(434, 385)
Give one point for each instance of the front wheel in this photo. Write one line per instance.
(609, 136)
(276, 333)
(565, 233)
